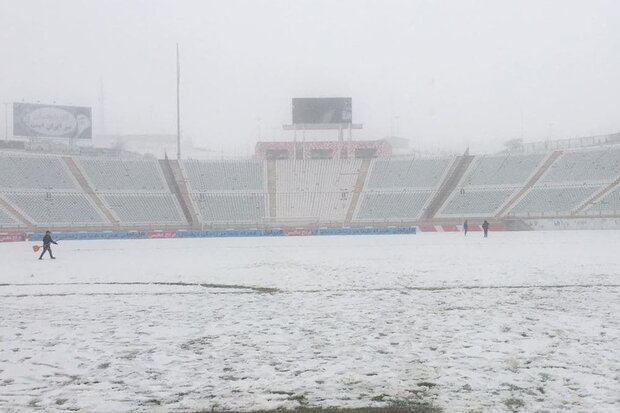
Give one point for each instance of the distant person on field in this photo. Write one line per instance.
(485, 228)
(47, 242)
(465, 227)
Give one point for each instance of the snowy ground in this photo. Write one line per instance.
(525, 321)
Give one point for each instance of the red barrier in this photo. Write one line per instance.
(162, 234)
(12, 237)
(427, 228)
(449, 228)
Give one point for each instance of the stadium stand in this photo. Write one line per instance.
(378, 206)
(22, 173)
(39, 191)
(145, 208)
(406, 173)
(552, 201)
(569, 183)
(315, 206)
(476, 203)
(116, 175)
(609, 204)
(230, 208)
(399, 188)
(316, 189)
(585, 166)
(508, 170)
(54, 208)
(489, 183)
(6, 219)
(225, 192)
(217, 176)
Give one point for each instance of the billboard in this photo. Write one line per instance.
(52, 121)
(322, 110)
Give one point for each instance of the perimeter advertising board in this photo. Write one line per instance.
(322, 110)
(52, 121)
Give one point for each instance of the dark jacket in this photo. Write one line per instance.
(485, 225)
(47, 240)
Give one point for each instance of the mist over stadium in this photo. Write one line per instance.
(307, 206)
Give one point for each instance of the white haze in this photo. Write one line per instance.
(446, 74)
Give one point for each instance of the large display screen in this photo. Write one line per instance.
(322, 110)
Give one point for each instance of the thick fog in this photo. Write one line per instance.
(445, 74)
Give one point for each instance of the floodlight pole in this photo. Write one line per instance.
(178, 106)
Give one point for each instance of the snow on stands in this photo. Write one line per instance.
(523, 321)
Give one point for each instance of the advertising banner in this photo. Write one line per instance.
(298, 232)
(162, 234)
(52, 121)
(12, 237)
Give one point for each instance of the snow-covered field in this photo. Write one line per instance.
(525, 321)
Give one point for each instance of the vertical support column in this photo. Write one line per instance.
(295, 142)
(303, 142)
(340, 139)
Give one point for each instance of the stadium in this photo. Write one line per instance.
(236, 240)
(195, 285)
(513, 190)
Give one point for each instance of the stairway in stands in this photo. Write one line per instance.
(597, 196)
(271, 188)
(89, 191)
(357, 190)
(450, 182)
(15, 213)
(529, 184)
(178, 186)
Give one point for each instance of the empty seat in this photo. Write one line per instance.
(553, 200)
(317, 189)
(230, 207)
(585, 166)
(145, 208)
(323, 206)
(475, 202)
(111, 175)
(392, 205)
(406, 173)
(6, 219)
(19, 173)
(504, 170)
(54, 208)
(213, 176)
(610, 203)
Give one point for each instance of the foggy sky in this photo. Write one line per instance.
(446, 74)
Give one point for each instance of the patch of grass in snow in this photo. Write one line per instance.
(513, 404)
(412, 408)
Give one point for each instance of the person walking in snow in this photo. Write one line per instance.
(47, 242)
(485, 228)
(465, 227)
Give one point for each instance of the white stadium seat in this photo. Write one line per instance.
(112, 175)
(392, 205)
(231, 208)
(585, 166)
(53, 208)
(214, 176)
(20, 173)
(145, 208)
(406, 173)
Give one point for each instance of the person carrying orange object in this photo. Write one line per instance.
(47, 242)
